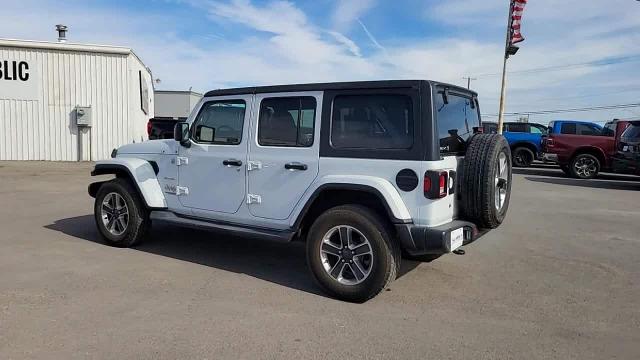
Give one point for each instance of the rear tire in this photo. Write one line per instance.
(351, 253)
(120, 214)
(523, 157)
(584, 166)
(486, 180)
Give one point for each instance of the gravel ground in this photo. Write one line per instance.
(559, 279)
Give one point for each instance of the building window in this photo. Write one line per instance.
(372, 122)
(220, 122)
(287, 121)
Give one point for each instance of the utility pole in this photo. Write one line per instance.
(469, 78)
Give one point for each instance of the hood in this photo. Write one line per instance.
(160, 147)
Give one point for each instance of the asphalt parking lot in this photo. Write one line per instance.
(560, 279)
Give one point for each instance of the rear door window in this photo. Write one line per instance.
(568, 128)
(457, 122)
(587, 129)
(287, 121)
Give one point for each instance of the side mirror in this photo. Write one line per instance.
(181, 133)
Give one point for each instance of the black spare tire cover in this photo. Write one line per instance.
(485, 185)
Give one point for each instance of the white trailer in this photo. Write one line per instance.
(71, 102)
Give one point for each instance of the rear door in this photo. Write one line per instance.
(458, 119)
(283, 152)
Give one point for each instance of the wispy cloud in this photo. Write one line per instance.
(370, 36)
(348, 11)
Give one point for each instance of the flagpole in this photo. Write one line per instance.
(504, 70)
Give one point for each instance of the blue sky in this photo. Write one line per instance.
(207, 44)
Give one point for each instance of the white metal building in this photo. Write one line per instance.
(70, 102)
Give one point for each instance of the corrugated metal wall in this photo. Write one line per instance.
(45, 129)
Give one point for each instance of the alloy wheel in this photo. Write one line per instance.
(586, 167)
(115, 214)
(501, 181)
(346, 255)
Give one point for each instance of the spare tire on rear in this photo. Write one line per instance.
(485, 184)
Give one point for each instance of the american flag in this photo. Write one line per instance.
(516, 18)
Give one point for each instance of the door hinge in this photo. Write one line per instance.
(181, 160)
(182, 190)
(254, 199)
(254, 165)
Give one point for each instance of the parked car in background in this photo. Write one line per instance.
(159, 129)
(574, 127)
(525, 140)
(627, 159)
(583, 149)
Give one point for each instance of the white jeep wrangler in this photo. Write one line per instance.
(362, 171)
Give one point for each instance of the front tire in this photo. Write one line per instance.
(351, 253)
(584, 166)
(120, 215)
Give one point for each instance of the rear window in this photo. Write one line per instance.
(372, 122)
(609, 129)
(633, 131)
(457, 122)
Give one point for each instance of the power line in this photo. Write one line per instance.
(602, 62)
(557, 111)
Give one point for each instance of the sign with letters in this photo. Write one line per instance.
(19, 79)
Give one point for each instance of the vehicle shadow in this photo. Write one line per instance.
(553, 175)
(280, 263)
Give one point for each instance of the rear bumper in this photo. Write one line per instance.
(421, 240)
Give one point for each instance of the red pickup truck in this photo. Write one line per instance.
(584, 156)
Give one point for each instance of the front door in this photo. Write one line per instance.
(283, 153)
(212, 171)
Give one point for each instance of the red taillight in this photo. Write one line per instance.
(442, 189)
(149, 128)
(436, 184)
(427, 185)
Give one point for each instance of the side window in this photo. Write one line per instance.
(220, 122)
(536, 130)
(287, 121)
(587, 129)
(520, 128)
(457, 122)
(609, 130)
(568, 128)
(372, 122)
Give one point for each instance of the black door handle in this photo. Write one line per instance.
(232, 162)
(295, 166)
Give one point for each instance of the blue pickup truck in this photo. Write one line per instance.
(525, 140)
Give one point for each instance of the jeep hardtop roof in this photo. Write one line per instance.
(379, 84)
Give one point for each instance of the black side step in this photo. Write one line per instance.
(197, 223)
